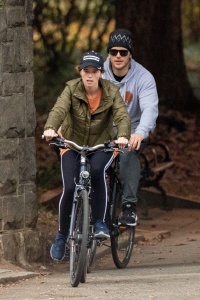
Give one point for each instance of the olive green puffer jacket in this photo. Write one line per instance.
(79, 125)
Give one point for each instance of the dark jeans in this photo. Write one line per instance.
(99, 162)
(130, 173)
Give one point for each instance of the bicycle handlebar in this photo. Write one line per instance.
(73, 144)
(63, 143)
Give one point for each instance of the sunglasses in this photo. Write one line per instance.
(114, 52)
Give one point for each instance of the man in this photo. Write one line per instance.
(138, 89)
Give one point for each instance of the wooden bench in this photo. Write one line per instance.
(155, 160)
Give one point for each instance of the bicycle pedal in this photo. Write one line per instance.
(67, 253)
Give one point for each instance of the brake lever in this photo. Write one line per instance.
(111, 150)
(59, 145)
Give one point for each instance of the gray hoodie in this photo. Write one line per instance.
(138, 89)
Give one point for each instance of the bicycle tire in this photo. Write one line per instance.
(122, 237)
(79, 239)
(92, 247)
(84, 273)
(91, 255)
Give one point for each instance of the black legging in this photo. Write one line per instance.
(99, 162)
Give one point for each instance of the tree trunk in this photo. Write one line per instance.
(158, 46)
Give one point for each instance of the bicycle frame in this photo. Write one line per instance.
(81, 236)
(84, 182)
(122, 236)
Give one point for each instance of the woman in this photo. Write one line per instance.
(87, 108)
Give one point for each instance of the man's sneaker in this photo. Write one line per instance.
(101, 230)
(57, 250)
(128, 216)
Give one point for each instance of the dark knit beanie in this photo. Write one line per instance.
(121, 38)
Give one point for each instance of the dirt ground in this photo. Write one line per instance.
(182, 136)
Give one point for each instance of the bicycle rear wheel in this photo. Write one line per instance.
(79, 239)
(91, 255)
(122, 237)
(91, 252)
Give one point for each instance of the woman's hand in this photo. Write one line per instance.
(49, 134)
(59, 132)
(122, 142)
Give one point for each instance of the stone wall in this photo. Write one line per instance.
(18, 203)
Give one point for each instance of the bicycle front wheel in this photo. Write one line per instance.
(79, 239)
(122, 237)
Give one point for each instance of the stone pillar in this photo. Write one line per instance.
(19, 239)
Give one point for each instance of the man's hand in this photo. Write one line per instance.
(49, 134)
(122, 142)
(135, 141)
